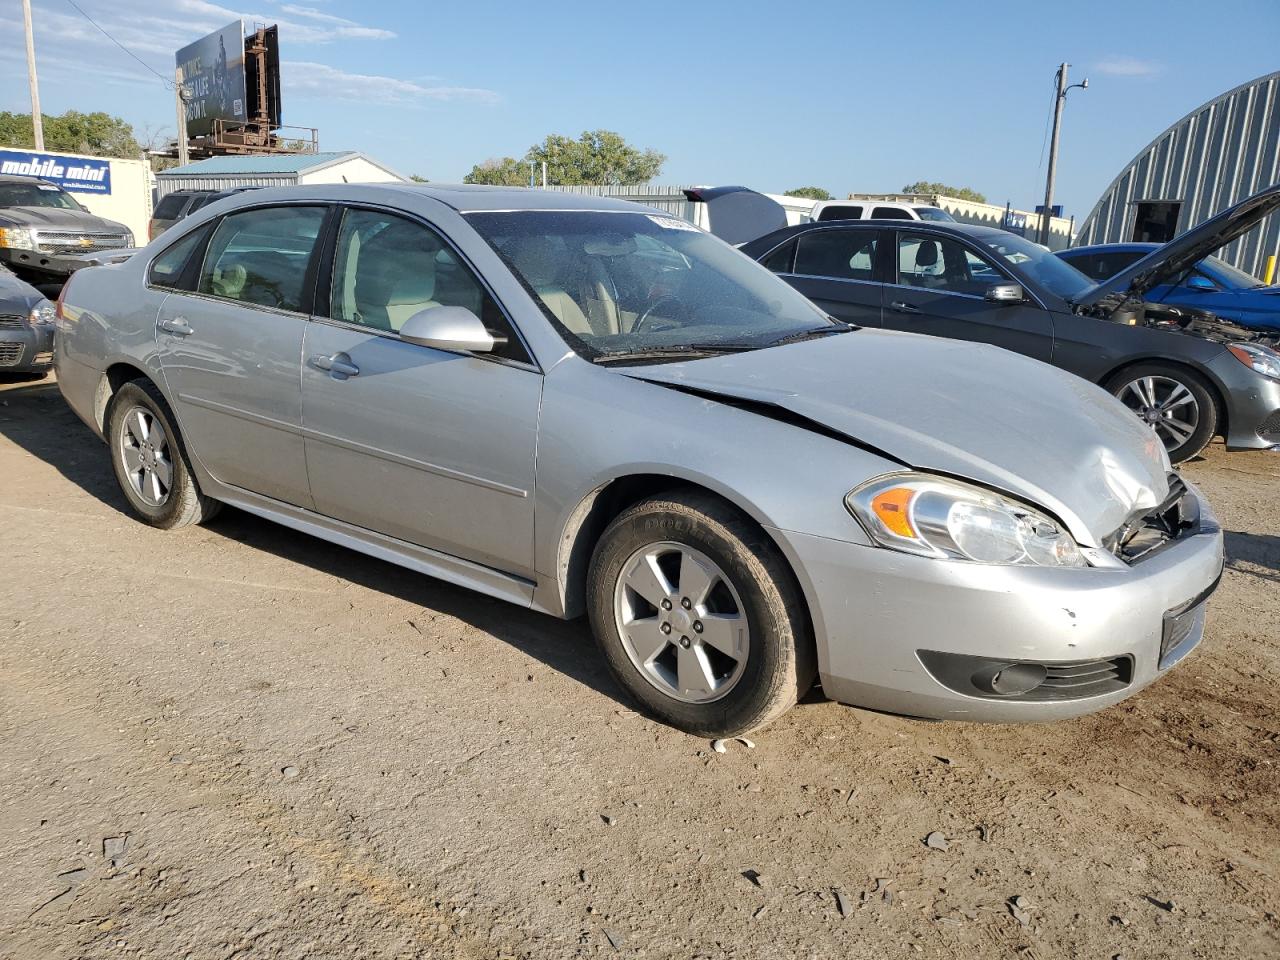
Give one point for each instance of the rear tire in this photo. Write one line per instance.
(150, 459)
(1178, 404)
(716, 639)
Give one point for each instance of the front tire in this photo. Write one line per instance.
(1177, 404)
(150, 460)
(698, 615)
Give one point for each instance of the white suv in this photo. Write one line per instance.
(825, 210)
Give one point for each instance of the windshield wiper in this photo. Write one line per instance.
(684, 351)
(812, 334)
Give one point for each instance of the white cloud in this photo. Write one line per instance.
(1128, 67)
(319, 79)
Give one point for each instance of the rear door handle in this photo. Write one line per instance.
(178, 326)
(339, 365)
(902, 307)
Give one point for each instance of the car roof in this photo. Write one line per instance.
(762, 245)
(1111, 247)
(15, 178)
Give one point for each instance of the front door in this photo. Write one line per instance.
(430, 447)
(837, 270)
(941, 292)
(230, 348)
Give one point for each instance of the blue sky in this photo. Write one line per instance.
(852, 96)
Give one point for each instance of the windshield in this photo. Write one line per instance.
(35, 195)
(1232, 278)
(933, 213)
(1034, 261)
(621, 284)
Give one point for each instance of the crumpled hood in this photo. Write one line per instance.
(58, 218)
(969, 410)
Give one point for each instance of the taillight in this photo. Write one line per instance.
(57, 312)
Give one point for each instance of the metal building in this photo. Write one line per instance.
(1218, 154)
(274, 170)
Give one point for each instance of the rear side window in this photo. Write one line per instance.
(840, 212)
(890, 213)
(170, 207)
(779, 261)
(839, 254)
(169, 270)
(262, 256)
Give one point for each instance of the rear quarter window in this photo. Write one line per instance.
(170, 207)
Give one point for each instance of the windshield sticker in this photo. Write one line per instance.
(47, 189)
(671, 223)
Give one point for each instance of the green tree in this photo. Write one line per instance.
(98, 134)
(960, 193)
(809, 193)
(417, 179)
(596, 158)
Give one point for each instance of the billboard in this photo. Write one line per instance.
(212, 71)
(80, 174)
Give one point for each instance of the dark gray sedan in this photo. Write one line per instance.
(26, 327)
(1187, 373)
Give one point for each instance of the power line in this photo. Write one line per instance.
(163, 79)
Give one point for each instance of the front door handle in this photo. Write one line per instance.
(339, 365)
(902, 307)
(178, 326)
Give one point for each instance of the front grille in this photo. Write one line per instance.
(11, 321)
(1087, 678)
(78, 241)
(10, 354)
(1270, 429)
(1177, 516)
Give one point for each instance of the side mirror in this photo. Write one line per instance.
(1005, 293)
(449, 328)
(1201, 284)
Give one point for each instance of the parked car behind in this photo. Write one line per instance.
(26, 326)
(43, 229)
(581, 405)
(182, 203)
(1188, 376)
(827, 210)
(1212, 284)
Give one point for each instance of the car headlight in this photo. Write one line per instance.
(936, 517)
(1257, 358)
(17, 238)
(43, 312)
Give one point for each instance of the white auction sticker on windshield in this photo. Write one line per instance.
(671, 223)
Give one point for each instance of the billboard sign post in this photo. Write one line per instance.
(211, 70)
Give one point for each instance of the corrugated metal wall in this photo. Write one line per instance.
(1215, 156)
(169, 183)
(670, 199)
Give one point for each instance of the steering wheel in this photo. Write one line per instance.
(638, 326)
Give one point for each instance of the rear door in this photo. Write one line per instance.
(230, 347)
(940, 290)
(430, 447)
(838, 268)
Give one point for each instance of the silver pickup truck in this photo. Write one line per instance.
(44, 231)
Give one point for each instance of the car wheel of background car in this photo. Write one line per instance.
(1178, 404)
(698, 615)
(150, 461)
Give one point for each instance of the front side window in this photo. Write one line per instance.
(839, 254)
(169, 269)
(261, 256)
(618, 284)
(1034, 261)
(941, 263)
(386, 269)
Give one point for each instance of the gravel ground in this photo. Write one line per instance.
(238, 741)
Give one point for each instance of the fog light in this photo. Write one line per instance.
(1009, 679)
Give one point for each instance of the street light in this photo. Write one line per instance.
(1059, 100)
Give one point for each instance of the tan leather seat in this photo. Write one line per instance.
(535, 258)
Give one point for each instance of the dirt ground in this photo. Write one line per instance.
(305, 753)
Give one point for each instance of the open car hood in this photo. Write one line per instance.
(738, 214)
(1168, 262)
(966, 410)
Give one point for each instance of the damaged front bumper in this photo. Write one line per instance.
(968, 641)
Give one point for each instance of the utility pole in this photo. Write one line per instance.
(179, 92)
(1058, 101)
(37, 120)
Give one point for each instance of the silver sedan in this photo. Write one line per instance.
(588, 407)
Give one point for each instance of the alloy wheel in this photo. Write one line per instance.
(1164, 404)
(144, 451)
(682, 622)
